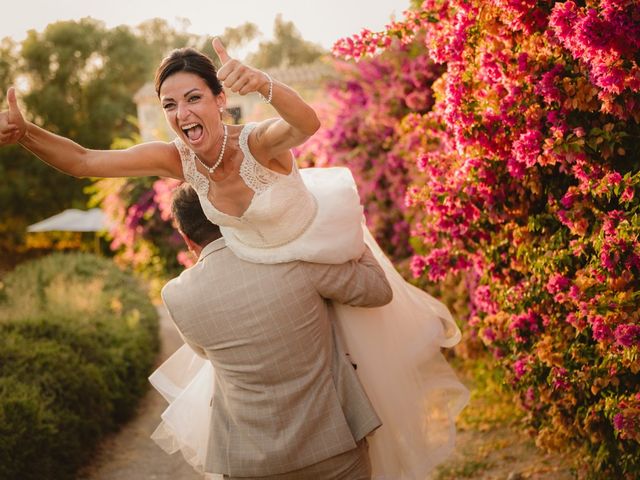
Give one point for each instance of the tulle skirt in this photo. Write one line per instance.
(397, 352)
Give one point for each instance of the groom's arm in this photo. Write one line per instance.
(195, 347)
(360, 283)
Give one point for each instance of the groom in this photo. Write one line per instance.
(287, 402)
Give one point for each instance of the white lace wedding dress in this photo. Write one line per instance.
(315, 215)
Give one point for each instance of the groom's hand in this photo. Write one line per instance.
(235, 75)
(12, 124)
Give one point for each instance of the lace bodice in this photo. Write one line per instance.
(281, 208)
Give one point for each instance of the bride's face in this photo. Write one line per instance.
(193, 111)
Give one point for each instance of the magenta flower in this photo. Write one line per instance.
(627, 194)
(527, 148)
(523, 325)
(520, 367)
(438, 264)
(418, 264)
(628, 335)
(482, 300)
(186, 258)
(557, 282)
(600, 330)
(488, 334)
(627, 421)
(519, 165)
(548, 88)
(560, 378)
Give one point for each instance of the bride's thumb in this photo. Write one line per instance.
(14, 110)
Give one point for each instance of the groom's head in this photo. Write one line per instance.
(192, 224)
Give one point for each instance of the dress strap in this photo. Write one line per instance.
(257, 177)
(191, 175)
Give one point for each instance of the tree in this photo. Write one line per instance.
(235, 37)
(287, 48)
(80, 78)
(8, 63)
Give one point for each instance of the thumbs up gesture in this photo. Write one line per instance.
(238, 77)
(12, 123)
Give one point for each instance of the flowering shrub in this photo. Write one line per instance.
(141, 232)
(529, 182)
(368, 127)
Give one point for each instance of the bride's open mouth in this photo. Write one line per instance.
(193, 131)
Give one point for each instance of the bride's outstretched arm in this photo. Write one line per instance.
(154, 158)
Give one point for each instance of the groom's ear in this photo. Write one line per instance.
(191, 245)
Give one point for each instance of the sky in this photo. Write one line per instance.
(321, 22)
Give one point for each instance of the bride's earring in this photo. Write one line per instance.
(221, 109)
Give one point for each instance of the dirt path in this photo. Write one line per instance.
(501, 453)
(130, 454)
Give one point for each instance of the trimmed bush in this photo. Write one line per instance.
(78, 338)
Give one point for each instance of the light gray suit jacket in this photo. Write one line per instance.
(286, 395)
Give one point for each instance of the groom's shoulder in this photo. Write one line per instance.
(178, 286)
(203, 271)
(171, 289)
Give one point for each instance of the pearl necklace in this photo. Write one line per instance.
(217, 164)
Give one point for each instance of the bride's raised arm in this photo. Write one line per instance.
(298, 120)
(154, 158)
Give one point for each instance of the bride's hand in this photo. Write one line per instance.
(238, 77)
(12, 123)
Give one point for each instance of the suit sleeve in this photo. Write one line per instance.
(360, 283)
(195, 347)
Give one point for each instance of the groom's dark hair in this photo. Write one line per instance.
(189, 217)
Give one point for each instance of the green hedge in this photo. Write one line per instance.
(78, 338)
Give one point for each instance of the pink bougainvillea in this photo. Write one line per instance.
(142, 234)
(526, 179)
(369, 124)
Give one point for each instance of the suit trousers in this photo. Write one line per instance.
(351, 465)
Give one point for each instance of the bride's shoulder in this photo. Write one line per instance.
(258, 140)
(171, 154)
(253, 133)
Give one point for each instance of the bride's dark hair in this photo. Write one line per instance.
(191, 61)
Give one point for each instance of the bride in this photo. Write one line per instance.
(269, 212)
